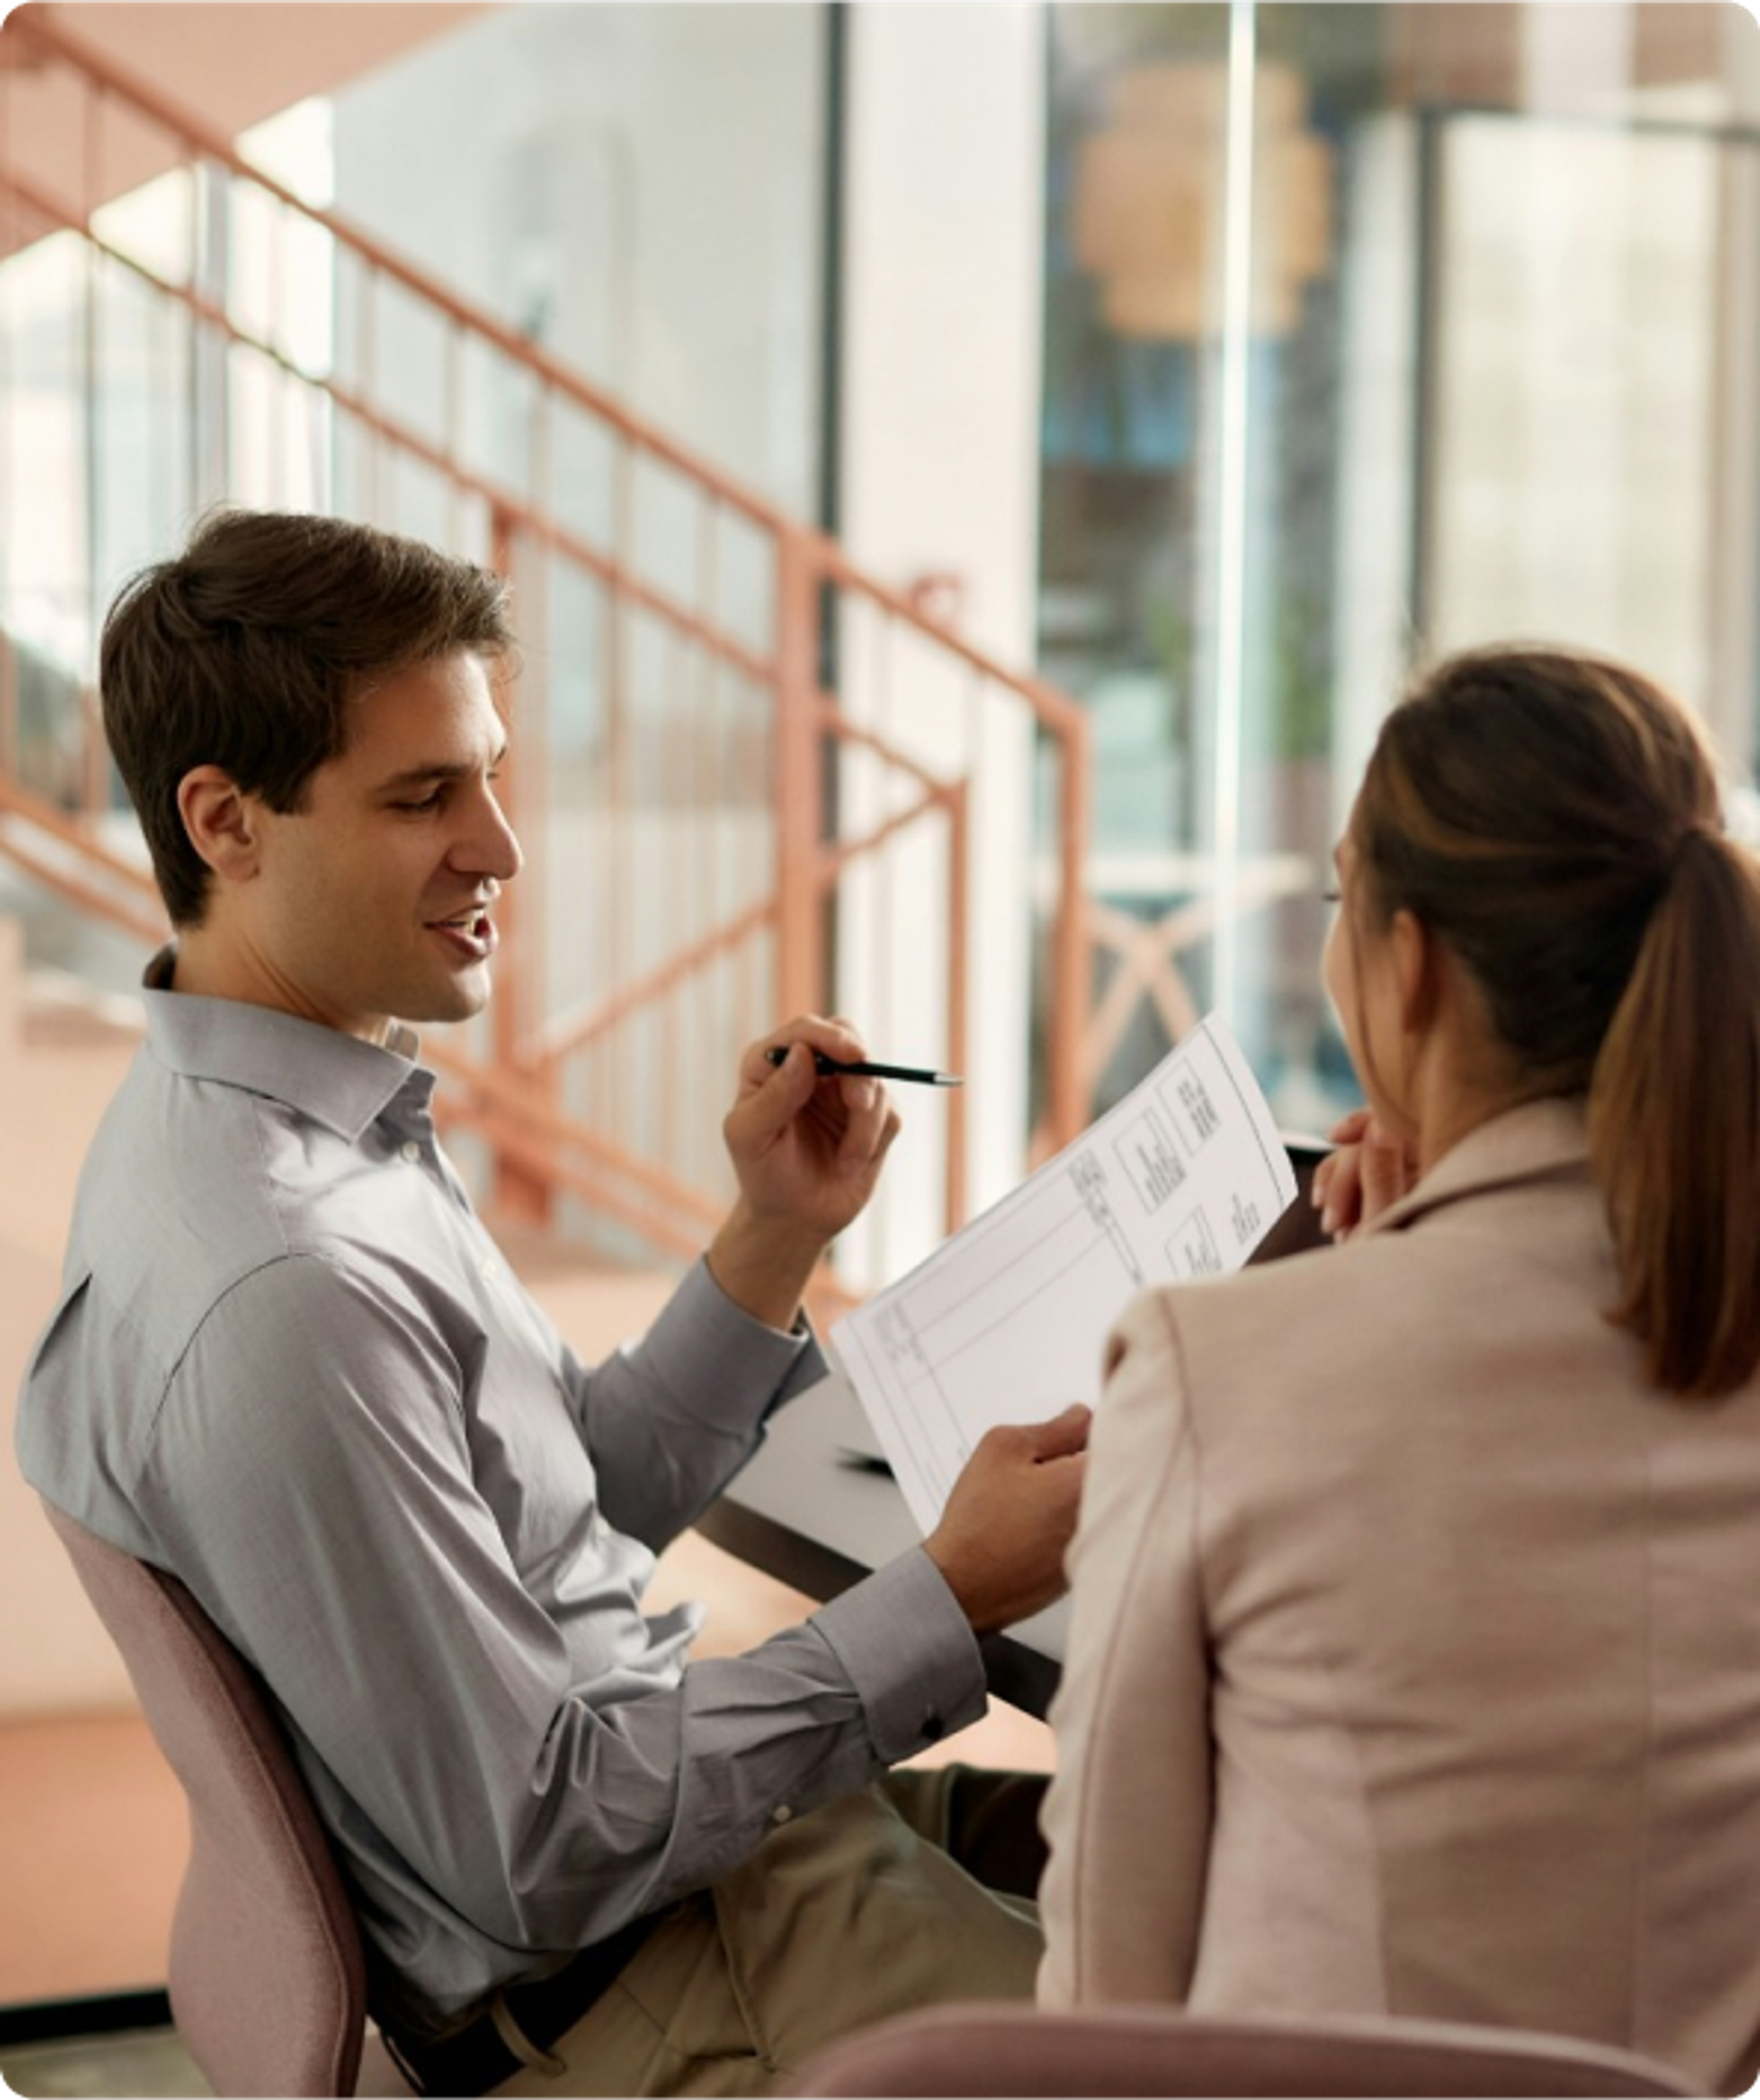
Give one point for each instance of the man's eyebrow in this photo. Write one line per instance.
(419, 776)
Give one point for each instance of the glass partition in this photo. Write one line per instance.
(1372, 331)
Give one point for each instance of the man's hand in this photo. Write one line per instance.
(807, 1152)
(1368, 1173)
(1008, 1523)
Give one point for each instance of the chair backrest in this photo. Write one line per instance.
(976, 2050)
(267, 1981)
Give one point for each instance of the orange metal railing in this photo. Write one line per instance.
(719, 832)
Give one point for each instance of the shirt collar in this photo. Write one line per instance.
(335, 1079)
(1543, 1140)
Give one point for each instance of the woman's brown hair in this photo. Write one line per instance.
(1556, 819)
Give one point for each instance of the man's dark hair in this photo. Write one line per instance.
(244, 651)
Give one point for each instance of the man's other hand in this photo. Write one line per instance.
(1008, 1523)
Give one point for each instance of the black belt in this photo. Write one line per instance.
(477, 2060)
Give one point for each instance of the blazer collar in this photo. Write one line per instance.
(1540, 1140)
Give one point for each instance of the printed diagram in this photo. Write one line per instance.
(1193, 1250)
(1188, 1098)
(957, 1350)
(1162, 1132)
(1089, 1178)
(1150, 1158)
(1007, 1322)
(1192, 1105)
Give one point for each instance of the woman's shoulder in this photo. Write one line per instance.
(1424, 1301)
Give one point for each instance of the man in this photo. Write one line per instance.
(289, 1366)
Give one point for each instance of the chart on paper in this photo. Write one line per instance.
(1007, 1322)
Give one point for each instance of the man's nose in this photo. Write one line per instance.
(491, 847)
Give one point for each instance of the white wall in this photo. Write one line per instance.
(1574, 451)
(638, 185)
(941, 331)
(1377, 393)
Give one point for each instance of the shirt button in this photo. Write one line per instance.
(781, 1813)
(409, 1150)
(491, 1267)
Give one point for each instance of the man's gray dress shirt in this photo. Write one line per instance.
(289, 1366)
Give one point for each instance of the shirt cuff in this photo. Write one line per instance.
(910, 1654)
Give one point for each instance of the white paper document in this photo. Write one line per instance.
(1007, 1321)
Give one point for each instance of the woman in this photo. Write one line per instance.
(1415, 1660)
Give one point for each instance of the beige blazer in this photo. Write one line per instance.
(1414, 1665)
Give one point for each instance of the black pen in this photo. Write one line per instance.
(863, 1461)
(863, 1069)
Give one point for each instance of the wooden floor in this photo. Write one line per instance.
(92, 1838)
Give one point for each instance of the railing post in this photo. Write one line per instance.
(9, 736)
(1072, 987)
(94, 757)
(799, 750)
(958, 991)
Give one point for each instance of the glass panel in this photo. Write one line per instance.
(1371, 331)
(1574, 447)
(645, 205)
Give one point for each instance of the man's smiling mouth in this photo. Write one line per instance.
(471, 931)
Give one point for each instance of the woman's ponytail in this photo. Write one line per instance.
(1555, 817)
(1674, 1123)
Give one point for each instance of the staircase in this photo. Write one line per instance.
(750, 779)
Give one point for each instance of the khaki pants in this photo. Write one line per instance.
(856, 1911)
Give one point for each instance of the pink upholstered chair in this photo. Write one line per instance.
(974, 2049)
(267, 1983)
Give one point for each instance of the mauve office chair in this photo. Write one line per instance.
(968, 2050)
(267, 1981)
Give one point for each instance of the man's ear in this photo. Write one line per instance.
(1417, 968)
(222, 822)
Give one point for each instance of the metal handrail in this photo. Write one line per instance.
(504, 501)
(209, 144)
(25, 820)
(1053, 709)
